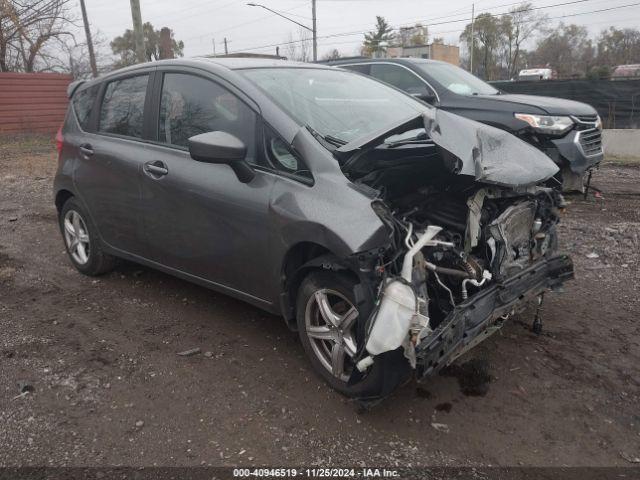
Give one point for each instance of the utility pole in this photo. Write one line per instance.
(213, 40)
(87, 32)
(315, 31)
(473, 6)
(226, 50)
(138, 36)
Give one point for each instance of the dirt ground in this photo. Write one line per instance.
(109, 389)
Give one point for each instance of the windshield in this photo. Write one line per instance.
(334, 103)
(456, 79)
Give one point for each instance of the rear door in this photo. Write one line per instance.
(108, 173)
(199, 218)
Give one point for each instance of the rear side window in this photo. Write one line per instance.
(123, 106)
(83, 102)
(399, 77)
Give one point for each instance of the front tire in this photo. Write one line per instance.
(82, 242)
(328, 321)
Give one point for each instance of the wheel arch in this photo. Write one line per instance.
(62, 196)
(299, 261)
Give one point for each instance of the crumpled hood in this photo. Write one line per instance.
(489, 154)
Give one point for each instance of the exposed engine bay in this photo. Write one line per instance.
(451, 238)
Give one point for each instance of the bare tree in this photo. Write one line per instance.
(410, 36)
(517, 27)
(67, 55)
(565, 48)
(300, 50)
(27, 26)
(332, 55)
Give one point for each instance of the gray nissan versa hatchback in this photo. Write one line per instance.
(392, 235)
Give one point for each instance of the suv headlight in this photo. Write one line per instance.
(546, 123)
(599, 123)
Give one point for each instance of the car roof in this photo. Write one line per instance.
(399, 61)
(237, 63)
(213, 64)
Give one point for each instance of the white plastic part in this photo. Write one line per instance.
(425, 239)
(398, 314)
(393, 318)
(365, 363)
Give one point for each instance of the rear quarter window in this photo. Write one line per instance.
(83, 102)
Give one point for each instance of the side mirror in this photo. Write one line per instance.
(425, 95)
(222, 147)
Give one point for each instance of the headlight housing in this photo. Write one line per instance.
(599, 123)
(546, 123)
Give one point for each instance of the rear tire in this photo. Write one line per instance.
(328, 320)
(81, 240)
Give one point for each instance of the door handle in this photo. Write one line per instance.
(86, 149)
(156, 169)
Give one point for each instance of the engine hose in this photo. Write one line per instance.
(451, 272)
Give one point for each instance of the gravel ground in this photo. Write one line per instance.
(109, 389)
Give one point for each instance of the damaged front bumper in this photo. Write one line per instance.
(475, 319)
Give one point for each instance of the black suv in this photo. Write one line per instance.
(569, 132)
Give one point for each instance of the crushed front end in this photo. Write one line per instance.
(465, 252)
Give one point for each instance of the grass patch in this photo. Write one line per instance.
(26, 143)
(31, 155)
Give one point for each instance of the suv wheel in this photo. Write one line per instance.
(81, 241)
(327, 324)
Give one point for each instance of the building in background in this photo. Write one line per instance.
(432, 51)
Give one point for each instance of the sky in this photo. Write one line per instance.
(340, 23)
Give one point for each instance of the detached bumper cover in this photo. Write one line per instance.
(471, 318)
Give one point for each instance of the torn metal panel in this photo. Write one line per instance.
(487, 153)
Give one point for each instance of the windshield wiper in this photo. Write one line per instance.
(330, 139)
(420, 138)
(410, 141)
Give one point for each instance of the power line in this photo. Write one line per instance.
(360, 32)
(243, 23)
(458, 30)
(197, 5)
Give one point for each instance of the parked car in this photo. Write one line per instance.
(568, 132)
(393, 236)
(536, 74)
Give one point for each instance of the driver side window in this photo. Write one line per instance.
(191, 105)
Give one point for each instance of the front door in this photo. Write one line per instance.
(198, 217)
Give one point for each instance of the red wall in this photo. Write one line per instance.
(32, 102)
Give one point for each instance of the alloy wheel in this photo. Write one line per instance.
(330, 321)
(76, 237)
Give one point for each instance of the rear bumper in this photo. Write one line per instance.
(469, 320)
